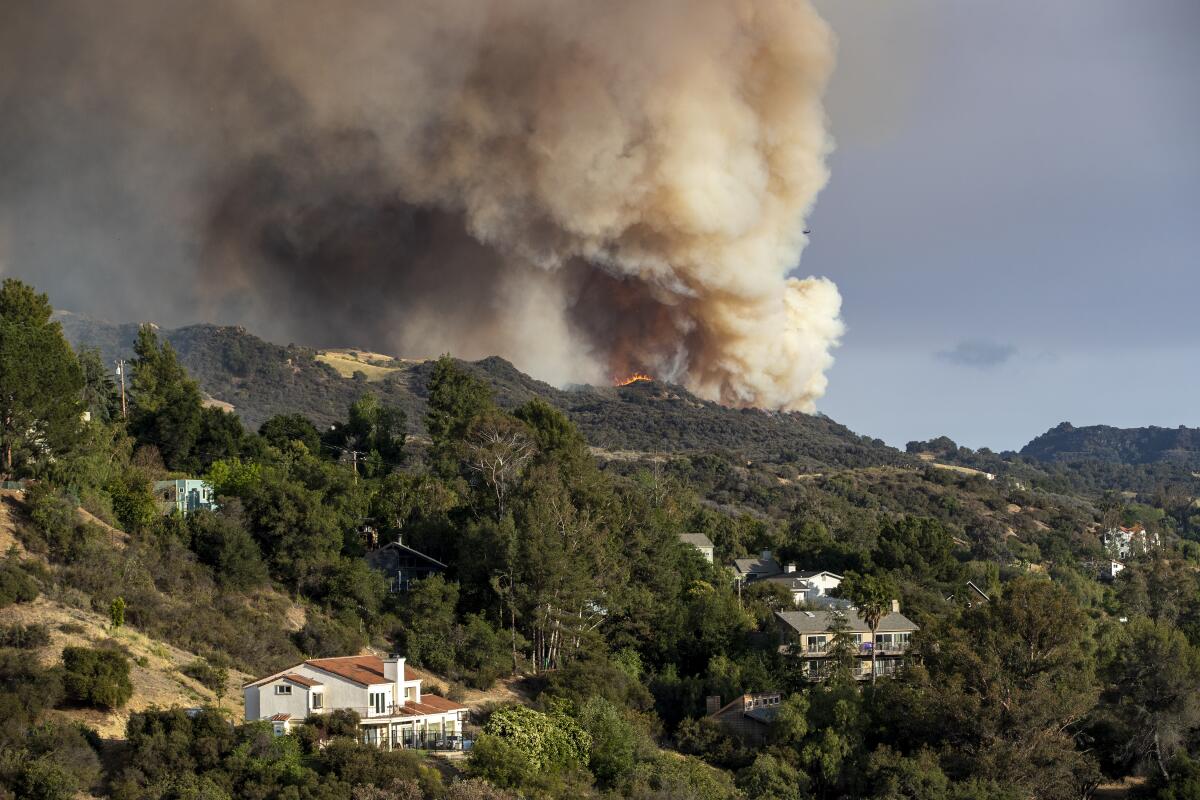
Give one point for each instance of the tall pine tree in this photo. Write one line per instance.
(40, 381)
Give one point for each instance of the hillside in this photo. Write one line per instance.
(156, 667)
(1151, 445)
(260, 379)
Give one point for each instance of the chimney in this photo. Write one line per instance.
(712, 704)
(895, 606)
(393, 669)
(790, 568)
(766, 555)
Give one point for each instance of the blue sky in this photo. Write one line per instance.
(1014, 216)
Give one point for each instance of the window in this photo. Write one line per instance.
(377, 702)
(283, 688)
(408, 693)
(816, 644)
(318, 700)
(885, 641)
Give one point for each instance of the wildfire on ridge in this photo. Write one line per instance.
(634, 378)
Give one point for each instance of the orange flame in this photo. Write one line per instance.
(634, 378)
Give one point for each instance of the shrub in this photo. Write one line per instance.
(16, 585)
(25, 637)
(212, 676)
(97, 677)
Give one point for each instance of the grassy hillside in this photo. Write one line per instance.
(156, 667)
(261, 379)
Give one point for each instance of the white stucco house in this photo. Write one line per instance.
(394, 712)
(1122, 542)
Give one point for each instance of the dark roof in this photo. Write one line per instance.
(417, 553)
(819, 621)
(695, 539)
(757, 566)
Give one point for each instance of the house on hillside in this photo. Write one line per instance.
(402, 565)
(809, 636)
(746, 570)
(700, 542)
(393, 710)
(184, 495)
(748, 717)
(810, 587)
(1121, 543)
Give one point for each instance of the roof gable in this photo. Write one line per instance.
(819, 621)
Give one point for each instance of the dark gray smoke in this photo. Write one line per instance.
(588, 189)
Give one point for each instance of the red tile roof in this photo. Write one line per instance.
(430, 704)
(300, 679)
(364, 670)
(281, 718)
(367, 670)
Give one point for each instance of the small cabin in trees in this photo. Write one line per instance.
(402, 565)
(699, 541)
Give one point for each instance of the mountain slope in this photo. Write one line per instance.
(1066, 443)
(261, 379)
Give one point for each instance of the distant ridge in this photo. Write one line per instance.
(261, 379)
(1150, 445)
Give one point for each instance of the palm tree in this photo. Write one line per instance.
(872, 596)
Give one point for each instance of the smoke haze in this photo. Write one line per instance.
(588, 189)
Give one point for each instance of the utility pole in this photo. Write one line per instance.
(121, 373)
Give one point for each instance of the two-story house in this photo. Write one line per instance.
(1121, 543)
(184, 495)
(810, 587)
(393, 710)
(810, 636)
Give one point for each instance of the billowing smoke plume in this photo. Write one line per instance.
(589, 189)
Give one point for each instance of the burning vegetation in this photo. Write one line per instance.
(637, 377)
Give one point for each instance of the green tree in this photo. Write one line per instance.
(456, 399)
(167, 408)
(282, 429)
(614, 741)
(1156, 676)
(96, 677)
(427, 615)
(100, 397)
(116, 612)
(550, 741)
(41, 383)
(771, 778)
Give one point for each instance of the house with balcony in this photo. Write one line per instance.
(701, 542)
(184, 495)
(394, 712)
(811, 636)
